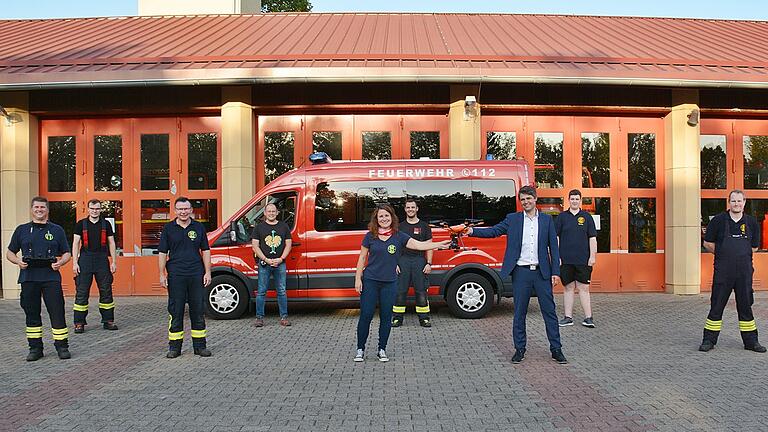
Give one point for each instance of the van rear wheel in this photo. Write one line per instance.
(227, 298)
(470, 296)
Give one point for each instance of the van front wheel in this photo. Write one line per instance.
(470, 296)
(227, 298)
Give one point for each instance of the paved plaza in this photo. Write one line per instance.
(639, 370)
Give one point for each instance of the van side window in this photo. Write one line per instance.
(447, 200)
(493, 199)
(286, 212)
(347, 206)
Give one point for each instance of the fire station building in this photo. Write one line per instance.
(654, 119)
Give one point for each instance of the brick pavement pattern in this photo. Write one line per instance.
(639, 370)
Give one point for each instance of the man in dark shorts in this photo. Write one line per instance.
(578, 249)
(732, 236)
(415, 266)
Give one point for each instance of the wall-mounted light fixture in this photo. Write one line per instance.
(470, 108)
(10, 118)
(693, 117)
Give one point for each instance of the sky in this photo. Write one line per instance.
(731, 9)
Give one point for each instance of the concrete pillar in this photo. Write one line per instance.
(238, 154)
(19, 175)
(464, 130)
(683, 200)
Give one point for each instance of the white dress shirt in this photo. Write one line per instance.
(529, 251)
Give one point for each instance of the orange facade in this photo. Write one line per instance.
(136, 166)
(617, 163)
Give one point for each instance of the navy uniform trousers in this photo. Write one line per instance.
(525, 282)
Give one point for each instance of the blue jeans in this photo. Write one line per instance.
(384, 294)
(265, 272)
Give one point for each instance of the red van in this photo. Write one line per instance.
(328, 206)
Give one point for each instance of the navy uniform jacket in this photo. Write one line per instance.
(512, 227)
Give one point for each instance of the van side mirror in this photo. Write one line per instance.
(232, 234)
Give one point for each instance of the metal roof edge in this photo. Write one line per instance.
(455, 79)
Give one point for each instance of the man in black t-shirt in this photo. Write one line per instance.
(185, 252)
(578, 248)
(732, 236)
(415, 267)
(271, 243)
(44, 249)
(94, 243)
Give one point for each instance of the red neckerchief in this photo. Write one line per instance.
(385, 233)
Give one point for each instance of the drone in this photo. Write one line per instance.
(457, 232)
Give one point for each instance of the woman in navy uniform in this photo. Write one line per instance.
(44, 249)
(732, 236)
(376, 282)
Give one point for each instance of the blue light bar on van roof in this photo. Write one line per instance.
(318, 158)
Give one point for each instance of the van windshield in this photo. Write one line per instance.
(347, 206)
(286, 212)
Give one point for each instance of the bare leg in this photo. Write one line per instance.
(568, 296)
(586, 303)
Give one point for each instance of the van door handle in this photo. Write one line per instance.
(295, 244)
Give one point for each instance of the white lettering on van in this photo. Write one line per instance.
(400, 172)
(390, 173)
(420, 172)
(371, 173)
(409, 173)
(430, 172)
(449, 172)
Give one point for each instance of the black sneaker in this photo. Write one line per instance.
(64, 353)
(557, 355)
(425, 323)
(34, 355)
(203, 352)
(397, 322)
(756, 348)
(707, 345)
(566, 321)
(110, 325)
(172, 353)
(519, 356)
(588, 322)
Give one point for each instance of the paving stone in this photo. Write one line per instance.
(639, 370)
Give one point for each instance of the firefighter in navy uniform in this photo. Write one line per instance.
(44, 249)
(414, 266)
(94, 242)
(184, 249)
(732, 236)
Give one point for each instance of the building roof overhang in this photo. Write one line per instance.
(449, 48)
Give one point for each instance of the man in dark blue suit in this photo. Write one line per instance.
(532, 259)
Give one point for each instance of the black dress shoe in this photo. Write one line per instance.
(110, 325)
(79, 328)
(397, 322)
(203, 352)
(707, 345)
(173, 353)
(35, 355)
(557, 355)
(425, 323)
(756, 348)
(519, 356)
(64, 353)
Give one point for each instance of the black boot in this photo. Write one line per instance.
(203, 352)
(706, 345)
(35, 354)
(63, 353)
(110, 325)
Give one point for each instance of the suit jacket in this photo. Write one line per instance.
(512, 227)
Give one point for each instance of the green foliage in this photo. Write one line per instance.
(286, 6)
